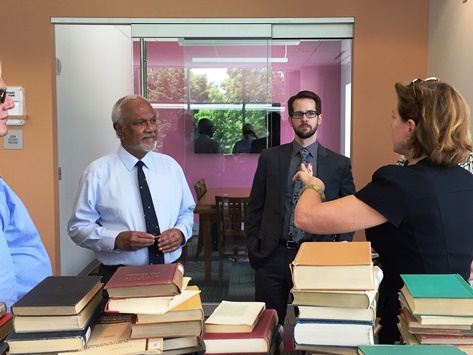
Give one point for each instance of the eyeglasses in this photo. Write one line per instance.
(3, 95)
(309, 114)
(418, 81)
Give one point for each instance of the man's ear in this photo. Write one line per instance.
(118, 130)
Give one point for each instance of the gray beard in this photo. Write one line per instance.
(145, 148)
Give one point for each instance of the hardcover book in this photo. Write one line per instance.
(58, 323)
(6, 325)
(47, 342)
(166, 330)
(234, 317)
(409, 350)
(333, 266)
(438, 294)
(190, 309)
(415, 326)
(434, 339)
(339, 298)
(338, 313)
(146, 280)
(58, 295)
(326, 350)
(257, 341)
(333, 333)
(149, 305)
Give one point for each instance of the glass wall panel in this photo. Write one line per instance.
(226, 84)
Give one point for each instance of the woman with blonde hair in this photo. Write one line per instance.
(417, 216)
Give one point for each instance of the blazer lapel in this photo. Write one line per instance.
(322, 164)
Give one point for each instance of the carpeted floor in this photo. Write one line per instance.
(238, 280)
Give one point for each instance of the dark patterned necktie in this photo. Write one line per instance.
(152, 226)
(295, 233)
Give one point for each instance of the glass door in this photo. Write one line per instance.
(221, 101)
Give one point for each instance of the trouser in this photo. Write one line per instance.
(273, 281)
(388, 308)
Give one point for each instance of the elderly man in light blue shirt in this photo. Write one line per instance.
(23, 259)
(108, 213)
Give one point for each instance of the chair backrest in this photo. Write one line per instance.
(200, 189)
(232, 213)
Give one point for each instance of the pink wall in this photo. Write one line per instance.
(176, 132)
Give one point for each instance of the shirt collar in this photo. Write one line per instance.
(130, 161)
(296, 147)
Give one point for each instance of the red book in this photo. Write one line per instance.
(257, 341)
(6, 325)
(146, 281)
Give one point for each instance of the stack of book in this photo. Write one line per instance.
(242, 328)
(6, 326)
(334, 291)
(6, 321)
(437, 309)
(56, 315)
(160, 303)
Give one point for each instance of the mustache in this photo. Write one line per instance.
(149, 136)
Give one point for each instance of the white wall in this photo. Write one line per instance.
(96, 70)
(451, 44)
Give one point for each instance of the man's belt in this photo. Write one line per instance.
(290, 244)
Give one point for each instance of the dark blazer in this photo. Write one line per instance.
(266, 205)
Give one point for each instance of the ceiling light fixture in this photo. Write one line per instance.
(239, 60)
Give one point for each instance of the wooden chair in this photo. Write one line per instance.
(232, 213)
(200, 189)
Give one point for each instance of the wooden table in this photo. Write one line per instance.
(207, 212)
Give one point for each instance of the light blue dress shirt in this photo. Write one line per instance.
(109, 202)
(23, 259)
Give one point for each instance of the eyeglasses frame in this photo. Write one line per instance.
(3, 95)
(304, 113)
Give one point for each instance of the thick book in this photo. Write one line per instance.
(409, 350)
(415, 326)
(6, 325)
(146, 280)
(50, 342)
(190, 309)
(406, 336)
(180, 343)
(326, 350)
(338, 313)
(113, 339)
(234, 317)
(257, 341)
(438, 294)
(333, 333)
(56, 323)
(58, 295)
(339, 298)
(166, 330)
(333, 266)
(435, 339)
(149, 305)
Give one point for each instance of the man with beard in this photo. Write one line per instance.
(109, 216)
(273, 240)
